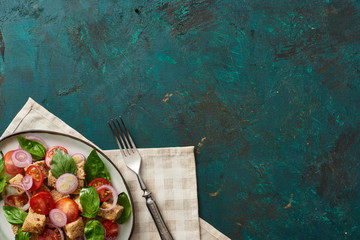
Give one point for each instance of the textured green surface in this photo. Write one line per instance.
(268, 91)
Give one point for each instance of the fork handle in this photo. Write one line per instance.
(156, 215)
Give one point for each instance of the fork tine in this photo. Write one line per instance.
(124, 136)
(132, 142)
(117, 136)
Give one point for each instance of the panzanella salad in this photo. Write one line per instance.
(53, 194)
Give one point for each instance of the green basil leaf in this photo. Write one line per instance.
(36, 149)
(94, 230)
(95, 168)
(14, 215)
(124, 201)
(22, 235)
(62, 163)
(90, 202)
(2, 163)
(2, 184)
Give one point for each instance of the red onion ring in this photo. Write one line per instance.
(68, 180)
(109, 238)
(104, 232)
(114, 195)
(78, 157)
(21, 158)
(26, 206)
(60, 231)
(58, 217)
(27, 182)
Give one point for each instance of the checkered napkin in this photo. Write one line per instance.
(168, 172)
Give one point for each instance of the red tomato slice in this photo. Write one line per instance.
(69, 207)
(37, 176)
(9, 167)
(50, 153)
(111, 229)
(104, 194)
(42, 202)
(48, 234)
(17, 200)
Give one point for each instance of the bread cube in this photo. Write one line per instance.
(41, 164)
(17, 180)
(34, 223)
(34, 236)
(57, 196)
(100, 219)
(79, 187)
(51, 180)
(15, 228)
(77, 200)
(75, 229)
(112, 214)
(80, 174)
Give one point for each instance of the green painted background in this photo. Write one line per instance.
(267, 91)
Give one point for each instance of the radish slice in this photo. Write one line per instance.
(37, 139)
(27, 182)
(66, 183)
(114, 195)
(26, 206)
(78, 158)
(21, 158)
(62, 237)
(58, 217)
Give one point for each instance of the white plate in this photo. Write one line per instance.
(73, 145)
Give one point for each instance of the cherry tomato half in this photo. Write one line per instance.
(48, 234)
(9, 167)
(37, 176)
(17, 200)
(104, 194)
(42, 202)
(69, 207)
(50, 153)
(111, 229)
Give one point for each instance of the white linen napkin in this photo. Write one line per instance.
(169, 173)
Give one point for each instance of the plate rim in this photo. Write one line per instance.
(90, 145)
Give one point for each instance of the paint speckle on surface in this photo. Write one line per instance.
(290, 202)
(66, 92)
(199, 145)
(167, 97)
(214, 194)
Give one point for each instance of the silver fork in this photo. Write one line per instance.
(132, 159)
